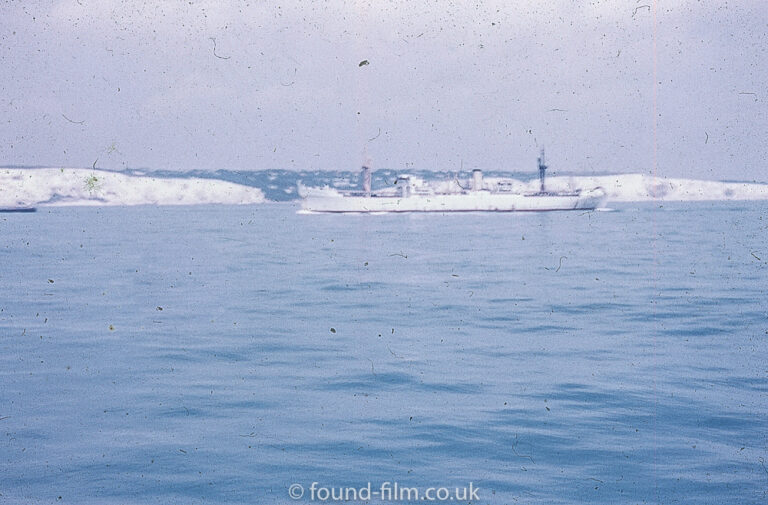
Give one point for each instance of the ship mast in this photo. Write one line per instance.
(542, 170)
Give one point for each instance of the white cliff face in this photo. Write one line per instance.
(639, 187)
(77, 186)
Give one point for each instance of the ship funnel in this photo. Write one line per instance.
(542, 170)
(366, 180)
(405, 186)
(477, 180)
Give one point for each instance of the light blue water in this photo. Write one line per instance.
(601, 357)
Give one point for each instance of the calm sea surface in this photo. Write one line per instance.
(215, 354)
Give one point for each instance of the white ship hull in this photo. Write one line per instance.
(474, 201)
(412, 194)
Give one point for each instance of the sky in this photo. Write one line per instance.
(674, 89)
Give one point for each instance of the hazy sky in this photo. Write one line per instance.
(449, 84)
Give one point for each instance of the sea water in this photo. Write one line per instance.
(222, 354)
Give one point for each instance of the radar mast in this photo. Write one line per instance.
(542, 170)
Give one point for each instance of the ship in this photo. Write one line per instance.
(18, 209)
(411, 194)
